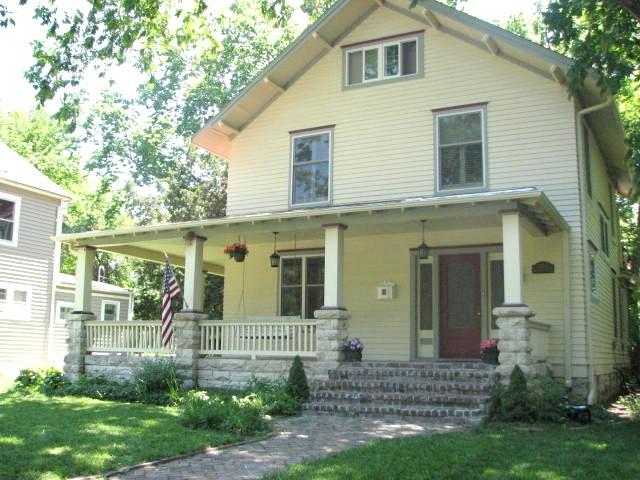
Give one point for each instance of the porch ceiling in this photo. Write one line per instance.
(443, 213)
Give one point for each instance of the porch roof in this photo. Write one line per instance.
(153, 241)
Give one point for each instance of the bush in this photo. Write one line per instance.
(27, 380)
(156, 380)
(245, 416)
(632, 402)
(275, 397)
(542, 400)
(102, 389)
(297, 385)
(52, 381)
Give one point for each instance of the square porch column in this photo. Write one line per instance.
(76, 330)
(331, 325)
(186, 322)
(515, 347)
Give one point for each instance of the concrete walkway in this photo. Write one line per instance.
(299, 439)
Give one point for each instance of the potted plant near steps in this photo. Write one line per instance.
(238, 251)
(352, 349)
(489, 351)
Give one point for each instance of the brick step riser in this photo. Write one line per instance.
(400, 387)
(391, 375)
(421, 366)
(384, 399)
(396, 410)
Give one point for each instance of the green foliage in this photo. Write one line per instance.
(101, 388)
(53, 381)
(297, 385)
(275, 397)
(539, 400)
(28, 380)
(632, 402)
(155, 379)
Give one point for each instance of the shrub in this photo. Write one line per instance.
(547, 400)
(245, 416)
(632, 402)
(27, 380)
(274, 396)
(52, 381)
(297, 385)
(156, 380)
(102, 389)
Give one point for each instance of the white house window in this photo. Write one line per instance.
(311, 166)
(301, 285)
(63, 311)
(460, 149)
(382, 60)
(9, 214)
(604, 234)
(15, 302)
(593, 276)
(110, 311)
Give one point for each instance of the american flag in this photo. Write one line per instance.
(171, 290)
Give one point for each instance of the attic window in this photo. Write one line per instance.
(384, 59)
(9, 211)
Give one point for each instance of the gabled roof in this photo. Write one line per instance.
(18, 171)
(345, 15)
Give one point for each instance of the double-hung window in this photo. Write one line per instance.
(301, 285)
(460, 149)
(15, 302)
(9, 214)
(110, 311)
(63, 311)
(382, 60)
(311, 167)
(604, 234)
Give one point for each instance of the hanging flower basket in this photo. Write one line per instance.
(489, 351)
(238, 251)
(352, 350)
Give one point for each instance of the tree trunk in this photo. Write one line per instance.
(632, 6)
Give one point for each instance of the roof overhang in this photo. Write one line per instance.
(152, 242)
(39, 191)
(216, 136)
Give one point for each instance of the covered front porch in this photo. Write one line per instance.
(349, 271)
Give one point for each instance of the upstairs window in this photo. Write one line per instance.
(604, 234)
(375, 61)
(9, 211)
(311, 166)
(460, 149)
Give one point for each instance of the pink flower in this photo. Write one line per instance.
(489, 344)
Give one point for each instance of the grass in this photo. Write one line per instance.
(599, 451)
(54, 438)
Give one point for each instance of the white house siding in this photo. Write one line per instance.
(608, 351)
(251, 288)
(383, 140)
(24, 342)
(59, 335)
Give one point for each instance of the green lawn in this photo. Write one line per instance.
(51, 438)
(601, 451)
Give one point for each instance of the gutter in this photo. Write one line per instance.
(592, 396)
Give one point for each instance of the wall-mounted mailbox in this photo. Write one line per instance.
(386, 291)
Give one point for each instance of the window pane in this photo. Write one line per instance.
(315, 300)
(450, 167)
(311, 148)
(462, 284)
(6, 229)
(472, 164)
(409, 58)
(20, 296)
(311, 183)
(291, 301)
(315, 271)
(461, 128)
(426, 297)
(371, 64)
(355, 68)
(6, 210)
(64, 313)
(291, 271)
(3, 294)
(497, 288)
(391, 60)
(461, 166)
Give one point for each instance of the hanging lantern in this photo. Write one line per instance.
(275, 258)
(423, 249)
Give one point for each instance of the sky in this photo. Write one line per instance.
(15, 50)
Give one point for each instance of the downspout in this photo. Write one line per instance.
(592, 396)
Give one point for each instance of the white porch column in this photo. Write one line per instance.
(193, 294)
(84, 276)
(512, 254)
(333, 266)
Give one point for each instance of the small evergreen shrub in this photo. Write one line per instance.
(297, 385)
(156, 380)
(547, 400)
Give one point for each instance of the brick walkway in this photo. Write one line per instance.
(299, 439)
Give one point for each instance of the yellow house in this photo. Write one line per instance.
(431, 184)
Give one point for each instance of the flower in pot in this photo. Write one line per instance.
(352, 349)
(489, 350)
(238, 251)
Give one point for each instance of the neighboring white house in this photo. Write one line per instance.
(377, 118)
(33, 299)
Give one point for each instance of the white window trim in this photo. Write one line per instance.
(110, 302)
(311, 133)
(60, 304)
(459, 111)
(605, 244)
(9, 313)
(16, 221)
(303, 256)
(593, 276)
(380, 47)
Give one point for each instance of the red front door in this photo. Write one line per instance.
(460, 314)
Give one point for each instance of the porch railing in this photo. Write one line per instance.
(539, 340)
(281, 339)
(126, 337)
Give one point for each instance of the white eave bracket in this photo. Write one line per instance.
(491, 44)
(431, 18)
(558, 74)
(228, 130)
(318, 38)
(275, 86)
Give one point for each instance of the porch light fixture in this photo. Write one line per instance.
(275, 258)
(423, 249)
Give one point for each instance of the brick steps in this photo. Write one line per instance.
(434, 389)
